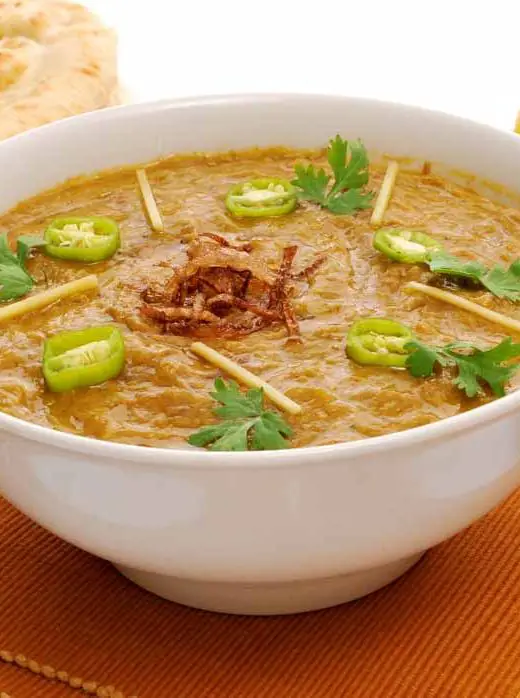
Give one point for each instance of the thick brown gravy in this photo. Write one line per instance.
(163, 393)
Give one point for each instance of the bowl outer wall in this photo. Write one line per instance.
(271, 515)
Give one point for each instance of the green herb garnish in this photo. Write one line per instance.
(444, 263)
(14, 279)
(503, 283)
(246, 426)
(349, 163)
(475, 367)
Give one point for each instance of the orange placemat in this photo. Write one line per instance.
(450, 628)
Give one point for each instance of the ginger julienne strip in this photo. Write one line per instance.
(245, 377)
(385, 193)
(45, 298)
(464, 304)
(149, 202)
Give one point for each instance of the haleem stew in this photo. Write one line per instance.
(257, 300)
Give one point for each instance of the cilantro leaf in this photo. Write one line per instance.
(352, 173)
(247, 425)
(234, 402)
(14, 279)
(467, 378)
(266, 435)
(312, 182)
(208, 435)
(348, 161)
(485, 365)
(504, 283)
(441, 262)
(234, 438)
(422, 359)
(25, 244)
(349, 201)
(277, 422)
(337, 156)
(5, 250)
(475, 367)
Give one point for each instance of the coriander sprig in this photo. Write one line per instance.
(504, 283)
(15, 281)
(349, 164)
(475, 367)
(501, 282)
(247, 426)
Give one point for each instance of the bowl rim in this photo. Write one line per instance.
(189, 457)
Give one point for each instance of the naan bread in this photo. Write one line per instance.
(56, 60)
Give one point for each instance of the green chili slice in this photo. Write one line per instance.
(78, 239)
(261, 198)
(407, 246)
(82, 358)
(378, 342)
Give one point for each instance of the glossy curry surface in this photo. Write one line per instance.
(163, 393)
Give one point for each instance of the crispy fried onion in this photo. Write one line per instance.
(222, 291)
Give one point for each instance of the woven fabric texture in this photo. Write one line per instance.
(449, 629)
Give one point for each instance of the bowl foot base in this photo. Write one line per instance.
(273, 598)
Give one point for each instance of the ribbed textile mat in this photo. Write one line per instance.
(449, 629)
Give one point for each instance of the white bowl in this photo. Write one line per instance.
(274, 532)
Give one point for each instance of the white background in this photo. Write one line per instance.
(461, 56)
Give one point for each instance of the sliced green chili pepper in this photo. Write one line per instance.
(262, 198)
(82, 239)
(408, 246)
(378, 342)
(82, 358)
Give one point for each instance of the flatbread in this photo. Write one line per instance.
(56, 60)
